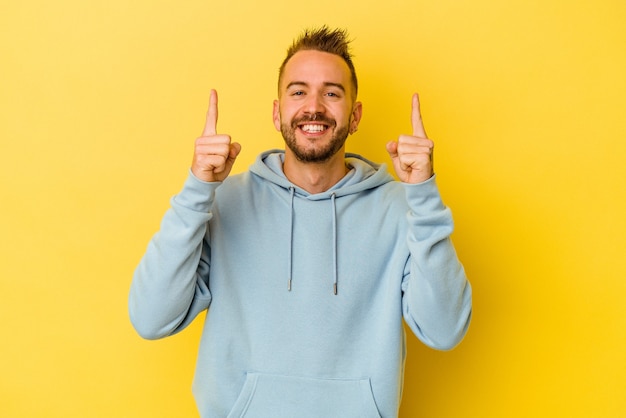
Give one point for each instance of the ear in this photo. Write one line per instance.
(357, 112)
(276, 115)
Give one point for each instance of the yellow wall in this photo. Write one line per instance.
(100, 102)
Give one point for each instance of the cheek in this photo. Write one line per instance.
(344, 116)
(286, 115)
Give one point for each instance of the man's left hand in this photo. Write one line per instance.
(412, 155)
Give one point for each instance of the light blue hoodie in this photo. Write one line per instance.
(305, 292)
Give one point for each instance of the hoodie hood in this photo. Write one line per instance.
(363, 175)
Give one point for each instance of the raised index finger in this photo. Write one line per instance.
(416, 118)
(210, 127)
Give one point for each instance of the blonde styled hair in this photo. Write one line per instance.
(324, 39)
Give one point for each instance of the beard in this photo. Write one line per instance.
(314, 154)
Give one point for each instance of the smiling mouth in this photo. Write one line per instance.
(313, 125)
(312, 128)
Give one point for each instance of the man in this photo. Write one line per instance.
(307, 263)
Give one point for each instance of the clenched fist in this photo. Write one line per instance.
(412, 155)
(214, 155)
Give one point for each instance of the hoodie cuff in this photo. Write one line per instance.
(196, 195)
(424, 197)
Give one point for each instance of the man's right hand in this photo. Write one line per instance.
(214, 155)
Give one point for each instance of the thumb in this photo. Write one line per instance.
(233, 152)
(392, 149)
(235, 149)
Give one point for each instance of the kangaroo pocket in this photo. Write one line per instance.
(265, 396)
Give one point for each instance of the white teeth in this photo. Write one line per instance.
(313, 128)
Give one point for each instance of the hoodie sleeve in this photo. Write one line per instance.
(170, 284)
(437, 298)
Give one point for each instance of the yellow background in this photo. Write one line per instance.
(100, 102)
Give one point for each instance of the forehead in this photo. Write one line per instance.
(316, 67)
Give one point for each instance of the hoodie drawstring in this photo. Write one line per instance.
(292, 192)
(334, 208)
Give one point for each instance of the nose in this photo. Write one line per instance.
(314, 105)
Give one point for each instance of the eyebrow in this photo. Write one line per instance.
(326, 84)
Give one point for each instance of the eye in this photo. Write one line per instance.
(298, 93)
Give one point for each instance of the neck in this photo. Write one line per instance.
(315, 177)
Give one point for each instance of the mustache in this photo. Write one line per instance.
(313, 117)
